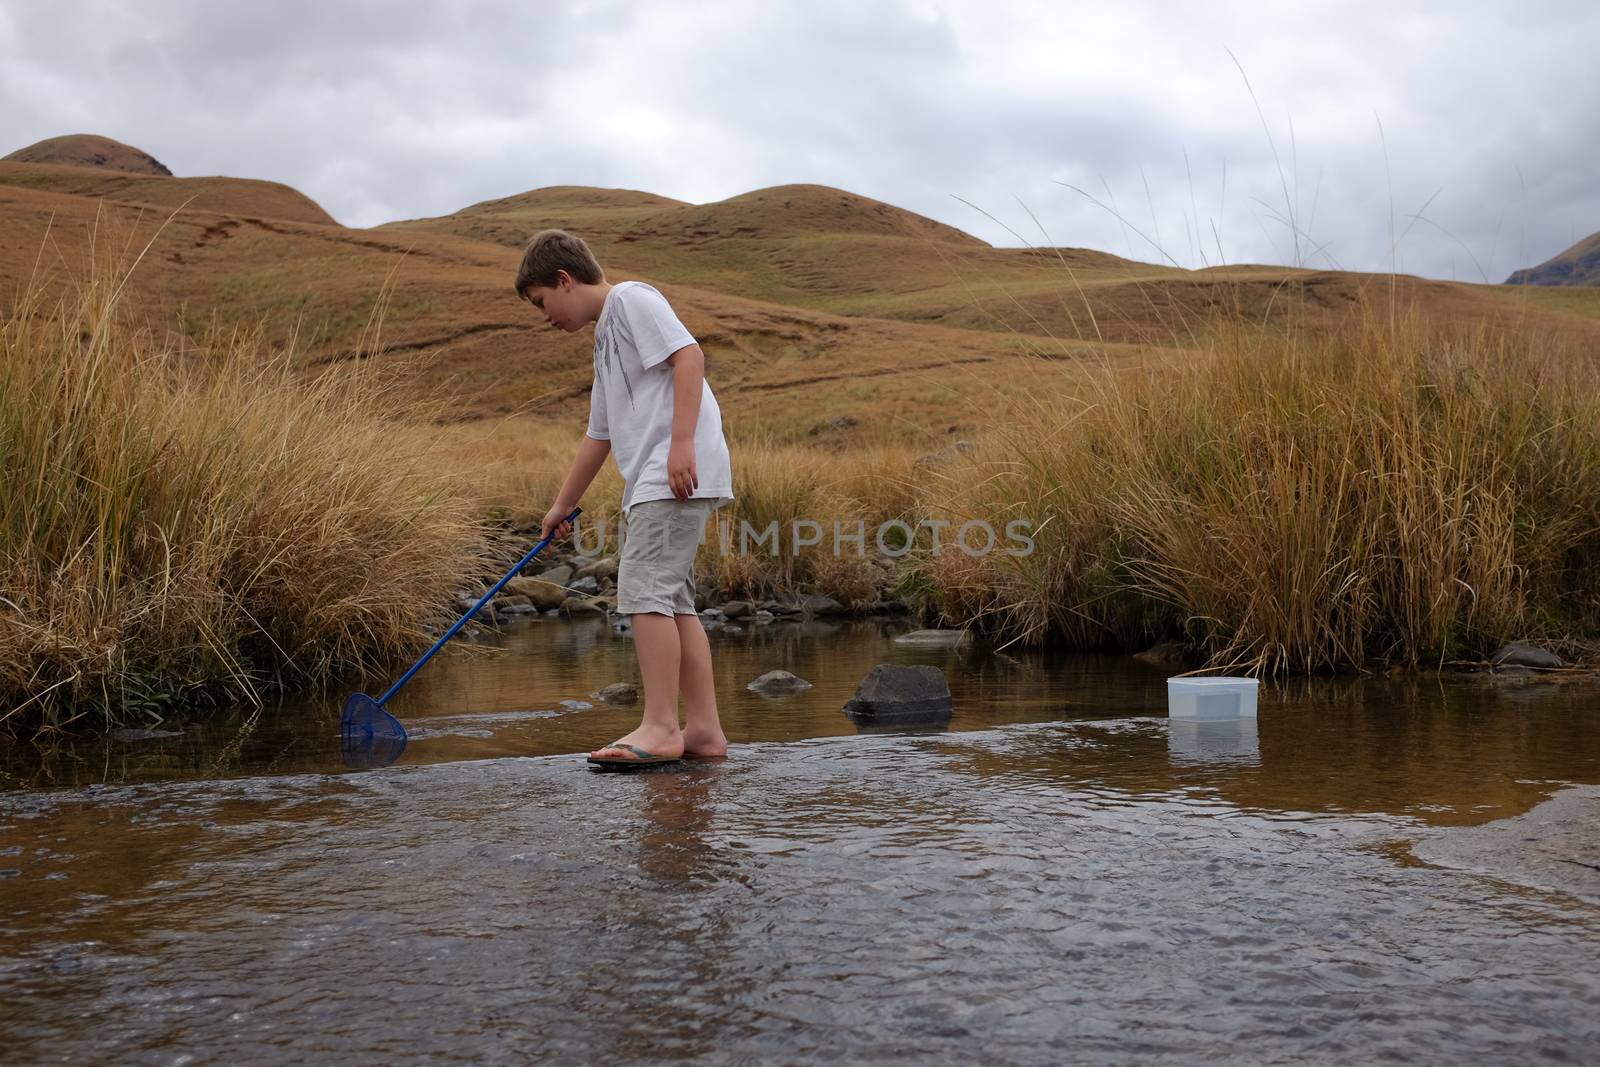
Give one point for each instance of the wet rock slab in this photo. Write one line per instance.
(1556, 846)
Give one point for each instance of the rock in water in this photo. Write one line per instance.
(1520, 655)
(778, 682)
(898, 695)
(617, 693)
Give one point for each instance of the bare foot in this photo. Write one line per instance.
(707, 745)
(657, 740)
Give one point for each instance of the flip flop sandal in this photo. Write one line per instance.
(640, 758)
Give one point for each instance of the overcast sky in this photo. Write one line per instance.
(382, 111)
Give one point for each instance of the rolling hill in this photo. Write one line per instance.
(809, 301)
(89, 150)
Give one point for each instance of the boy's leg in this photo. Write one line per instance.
(655, 640)
(702, 730)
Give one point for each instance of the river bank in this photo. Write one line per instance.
(188, 525)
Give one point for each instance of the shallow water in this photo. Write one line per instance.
(1063, 875)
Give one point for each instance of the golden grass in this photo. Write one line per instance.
(1396, 487)
(179, 523)
(515, 466)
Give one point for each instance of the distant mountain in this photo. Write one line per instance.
(90, 150)
(1578, 265)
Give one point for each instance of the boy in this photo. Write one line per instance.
(652, 410)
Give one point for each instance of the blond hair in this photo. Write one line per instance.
(553, 250)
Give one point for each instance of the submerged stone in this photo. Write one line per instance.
(617, 693)
(778, 682)
(899, 695)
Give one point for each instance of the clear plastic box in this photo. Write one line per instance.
(1211, 698)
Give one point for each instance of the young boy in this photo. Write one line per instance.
(652, 410)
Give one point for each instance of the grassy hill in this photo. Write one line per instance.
(90, 150)
(810, 302)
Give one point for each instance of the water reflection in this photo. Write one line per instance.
(1213, 741)
(1449, 751)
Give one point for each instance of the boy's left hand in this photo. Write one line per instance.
(681, 475)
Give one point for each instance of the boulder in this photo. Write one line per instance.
(778, 682)
(1520, 655)
(587, 586)
(600, 569)
(899, 695)
(762, 617)
(889, 607)
(559, 575)
(737, 609)
(816, 604)
(575, 605)
(778, 608)
(617, 693)
(513, 604)
(542, 594)
(935, 638)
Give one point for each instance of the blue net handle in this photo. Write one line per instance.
(459, 623)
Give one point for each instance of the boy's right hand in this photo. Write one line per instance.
(555, 521)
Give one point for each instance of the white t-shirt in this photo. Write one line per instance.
(631, 402)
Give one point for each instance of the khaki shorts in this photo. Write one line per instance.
(656, 570)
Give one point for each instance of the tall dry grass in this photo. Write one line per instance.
(180, 522)
(1394, 487)
(515, 466)
(844, 492)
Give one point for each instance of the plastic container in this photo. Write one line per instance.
(1211, 699)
